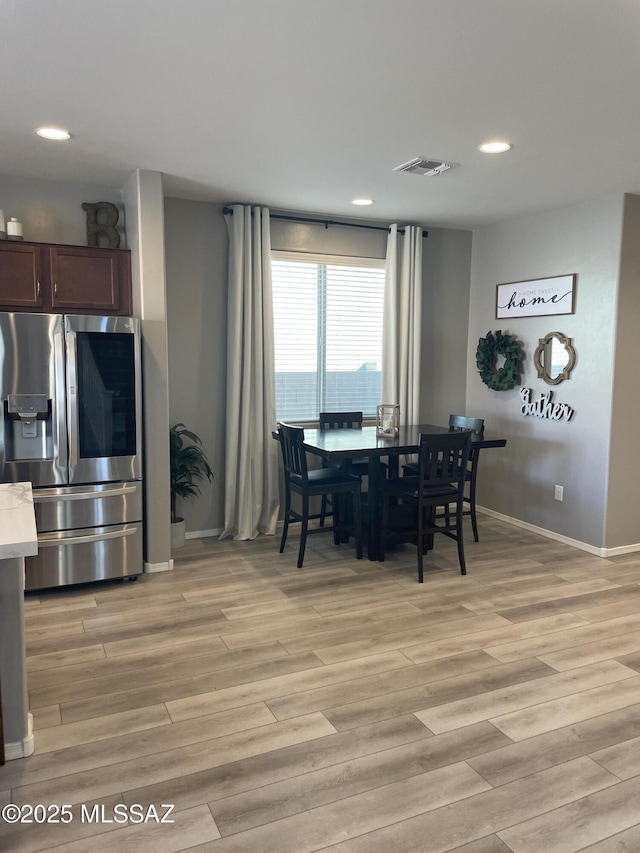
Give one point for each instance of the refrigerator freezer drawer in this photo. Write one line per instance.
(70, 507)
(80, 556)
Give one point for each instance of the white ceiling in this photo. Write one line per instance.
(306, 104)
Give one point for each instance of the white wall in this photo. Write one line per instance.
(623, 516)
(518, 481)
(144, 200)
(51, 212)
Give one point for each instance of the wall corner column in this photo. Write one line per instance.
(144, 203)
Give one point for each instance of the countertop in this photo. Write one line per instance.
(18, 536)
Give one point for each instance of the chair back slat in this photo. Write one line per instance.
(340, 420)
(443, 459)
(458, 422)
(294, 457)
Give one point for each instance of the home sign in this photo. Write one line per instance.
(536, 298)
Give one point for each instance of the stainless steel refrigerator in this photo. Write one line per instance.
(71, 425)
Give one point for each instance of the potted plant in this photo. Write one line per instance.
(188, 463)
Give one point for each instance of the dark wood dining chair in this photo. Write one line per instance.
(345, 420)
(476, 426)
(318, 482)
(340, 420)
(410, 503)
(358, 467)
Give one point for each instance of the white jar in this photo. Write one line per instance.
(14, 229)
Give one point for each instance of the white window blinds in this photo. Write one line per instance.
(328, 334)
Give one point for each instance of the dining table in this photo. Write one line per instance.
(344, 445)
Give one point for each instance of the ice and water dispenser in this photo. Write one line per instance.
(28, 427)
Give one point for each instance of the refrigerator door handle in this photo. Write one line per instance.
(44, 542)
(60, 440)
(72, 397)
(43, 495)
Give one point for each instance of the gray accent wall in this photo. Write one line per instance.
(446, 265)
(196, 255)
(289, 236)
(518, 481)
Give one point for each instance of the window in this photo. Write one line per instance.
(328, 334)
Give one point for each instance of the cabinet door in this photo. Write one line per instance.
(85, 279)
(21, 285)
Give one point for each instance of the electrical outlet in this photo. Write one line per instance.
(559, 493)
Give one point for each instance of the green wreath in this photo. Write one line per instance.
(491, 346)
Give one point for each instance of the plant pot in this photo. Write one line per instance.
(177, 533)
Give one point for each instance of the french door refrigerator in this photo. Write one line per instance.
(70, 388)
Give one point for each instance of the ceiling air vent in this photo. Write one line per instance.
(420, 166)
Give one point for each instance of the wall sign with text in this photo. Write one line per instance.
(536, 298)
(544, 407)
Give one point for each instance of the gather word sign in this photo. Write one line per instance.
(543, 407)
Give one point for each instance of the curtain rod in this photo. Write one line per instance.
(326, 222)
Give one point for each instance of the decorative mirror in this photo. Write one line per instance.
(554, 358)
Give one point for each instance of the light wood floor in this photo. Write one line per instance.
(342, 706)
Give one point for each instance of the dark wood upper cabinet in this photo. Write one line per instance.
(82, 278)
(64, 279)
(21, 277)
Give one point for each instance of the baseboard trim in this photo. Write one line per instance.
(150, 568)
(516, 522)
(622, 549)
(203, 534)
(558, 537)
(21, 748)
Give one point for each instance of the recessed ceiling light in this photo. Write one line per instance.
(362, 201)
(494, 147)
(56, 133)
